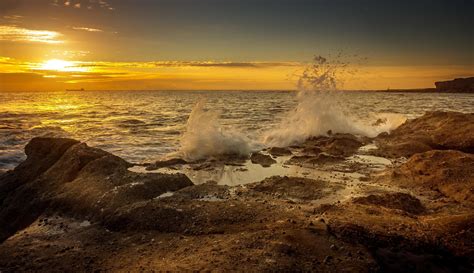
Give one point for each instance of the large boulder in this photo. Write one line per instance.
(63, 175)
(432, 131)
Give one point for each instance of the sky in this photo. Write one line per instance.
(230, 44)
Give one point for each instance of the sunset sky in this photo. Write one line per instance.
(229, 44)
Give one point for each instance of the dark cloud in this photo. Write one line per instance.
(225, 64)
(191, 64)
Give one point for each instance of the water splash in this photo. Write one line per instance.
(205, 137)
(320, 109)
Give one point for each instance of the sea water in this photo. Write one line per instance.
(143, 126)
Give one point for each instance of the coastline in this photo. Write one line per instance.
(72, 206)
(424, 90)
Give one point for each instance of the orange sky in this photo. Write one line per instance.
(59, 75)
(163, 45)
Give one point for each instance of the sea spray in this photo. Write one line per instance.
(206, 137)
(320, 110)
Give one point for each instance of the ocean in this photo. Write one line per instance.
(143, 126)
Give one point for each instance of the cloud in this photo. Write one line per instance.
(97, 73)
(19, 34)
(12, 17)
(158, 64)
(103, 4)
(229, 64)
(88, 29)
(88, 4)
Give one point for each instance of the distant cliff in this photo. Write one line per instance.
(465, 85)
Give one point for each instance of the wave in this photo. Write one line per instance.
(206, 137)
(319, 111)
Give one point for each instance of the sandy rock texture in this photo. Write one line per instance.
(432, 131)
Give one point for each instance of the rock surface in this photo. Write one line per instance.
(166, 163)
(70, 207)
(398, 200)
(432, 131)
(262, 159)
(279, 151)
(68, 176)
(449, 172)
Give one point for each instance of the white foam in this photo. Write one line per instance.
(205, 136)
(164, 195)
(321, 110)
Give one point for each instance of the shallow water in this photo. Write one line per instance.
(145, 125)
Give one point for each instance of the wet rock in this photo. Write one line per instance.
(434, 130)
(343, 146)
(311, 151)
(41, 154)
(335, 144)
(166, 163)
(68, 176)
(306, 160)
(324, 159)
(294, 187)
(262, 159)
(398, 200)
(279, 151)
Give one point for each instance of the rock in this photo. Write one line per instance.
(294, 222)
(324, 159)
(294, 187)
(262, 159)
(449, 172)
(64, 175)
(342, 146)
(209, 189)
(335, 144)
(279, 151)
(41, 154)
(306, 160)
(432, 131)
(398, 200)
(166, 163)
(311, 151)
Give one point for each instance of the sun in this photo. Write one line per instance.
(62, 66)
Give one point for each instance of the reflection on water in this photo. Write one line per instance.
(342, 174)
(144, 125)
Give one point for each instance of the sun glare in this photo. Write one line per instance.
(62, 66)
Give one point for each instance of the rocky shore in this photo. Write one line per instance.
(71, 207)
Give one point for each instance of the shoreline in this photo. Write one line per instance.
(72, 206)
